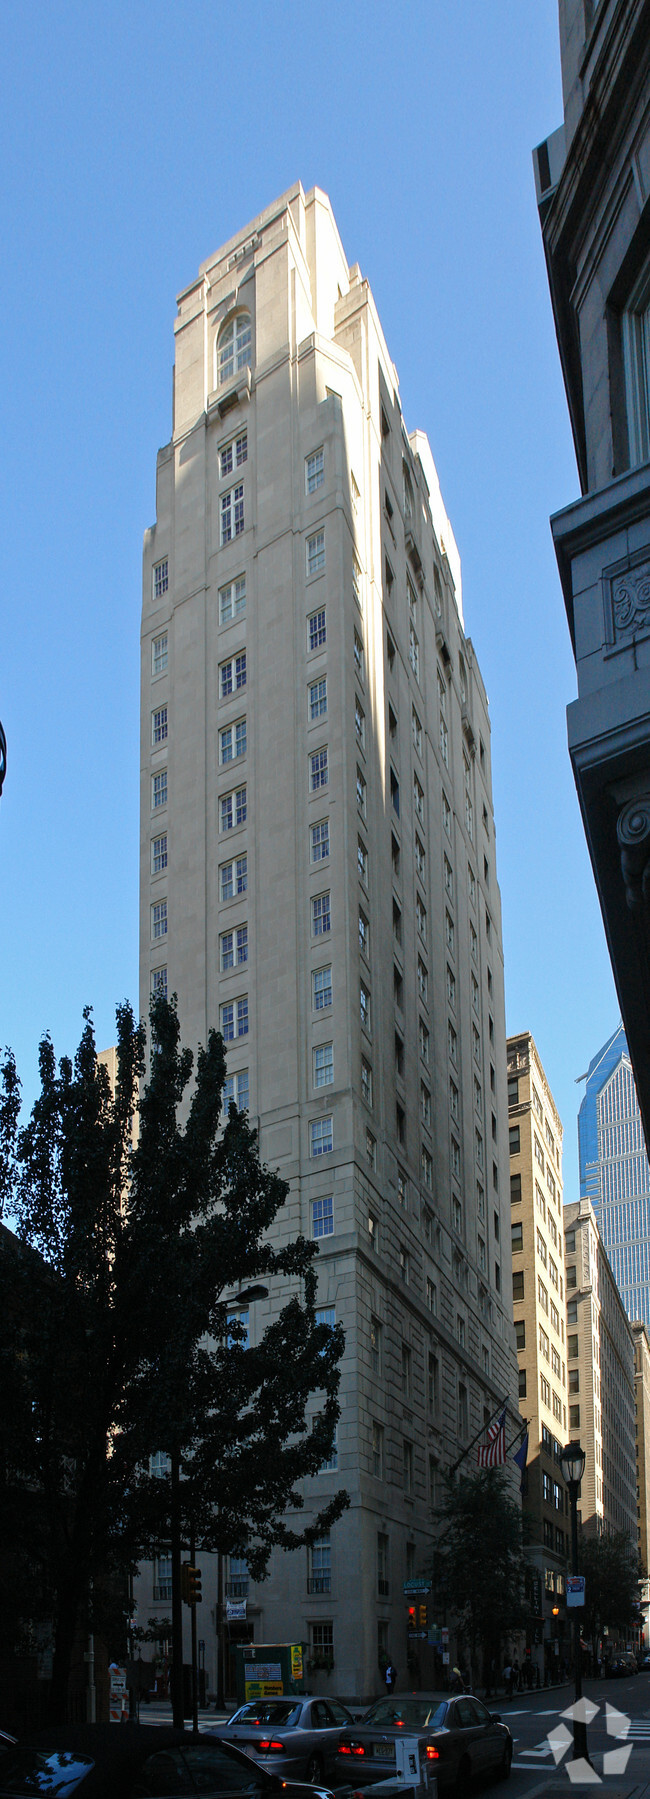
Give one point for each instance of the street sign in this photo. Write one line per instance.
(575, 1589)
(416, 1586)
(235, 1610)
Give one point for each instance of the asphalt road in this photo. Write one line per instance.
(539, 1764)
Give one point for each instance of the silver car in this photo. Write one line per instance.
(297, 1738)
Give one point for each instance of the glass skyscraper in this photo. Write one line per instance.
(615, 1172)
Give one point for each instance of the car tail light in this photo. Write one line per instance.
(270, 1746)
(351, 1749)
(433, 1754)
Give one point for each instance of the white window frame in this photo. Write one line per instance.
(236, 331)
(233, 733)
(239, 1010)
(233, 948)
(232, 516)
(159, 726)
(159, 856)
(159, 788)
(323, 1065)
(160, 578)
(317, 699)
(322, 1216)
(315, 470)
(232, 599)
(319, 1000)
(321, 910)
(316, 629)
(159, 655)
(159, 920)
(237, 800)
(318, 769)
(315, 553)
(319, 845)
(238, 881)
(233, 675)
(233, 454)
(321, 1136)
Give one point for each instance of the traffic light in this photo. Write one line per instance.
(423, 1617)
(412, 1617)
(191, 1584)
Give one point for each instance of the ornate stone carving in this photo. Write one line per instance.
(631, 601)
(633, 832)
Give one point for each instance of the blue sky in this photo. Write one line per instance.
(135, 139)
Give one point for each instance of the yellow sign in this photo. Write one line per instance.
(296, 1661)
(263, 1689)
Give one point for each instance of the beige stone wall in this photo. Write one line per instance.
(600, 1349)
(537, 1226)
(422, 1151)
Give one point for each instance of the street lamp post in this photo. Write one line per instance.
(573, 1466)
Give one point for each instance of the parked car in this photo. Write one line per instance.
(135, 1761)
(643, 1660)
(620, 1667)
(463, 1740)
(295, 1737)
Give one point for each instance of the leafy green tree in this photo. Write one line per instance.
(610, 1565)
(116, 1339)
(478, 1561)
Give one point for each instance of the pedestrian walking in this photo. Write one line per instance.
(390, 1676)
(457, 1682)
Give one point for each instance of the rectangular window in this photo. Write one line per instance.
(233, 878)
(321, 986)
(418, 799)
(232, 599)
(517, 1236)
(364, 1006)
(159, 725)
(159, 654)
(421, 918)
(518, 1285)
(315, 471)
(357, 590)
(234, 1019)
(366, 1081)
(320, 915)
(382, 1565)
(235, 1088)
(233, 455)
(358, 655)
(406, 1371)
(432, 1297)
(158, 855)
(362, 861)
(159, 981)
(318, 698)
(364, 933)
(378, 1451)
(234, 948)
(317, 629)
(361, 792)
(423, 1037)
(322, 1217)
(425, 1114)
(407, 1463)
(316, 553)
(426, 1168)
(414, 651)
(457, 1214)
(232, 675)
(232, 513)
(321, 1136)
(449, 878)
(423, 980)
(323, 1058)
(320, 841)
(161, 578)
(233, 809)
(318, 770)
(232, 741)
(159, 920)
(375, 1345)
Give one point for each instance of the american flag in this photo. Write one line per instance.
(493, 1453)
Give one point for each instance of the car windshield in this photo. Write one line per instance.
(416, 1714)
(269, 1711)
(56, 1772)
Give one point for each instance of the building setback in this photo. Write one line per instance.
(318, 878)
(615, 1172)
(536, 1135)
(600, 1363)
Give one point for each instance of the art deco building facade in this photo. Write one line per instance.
(601, 1377)
(615, 1172)
(593, 187)
(537, 1229)
(318, 879)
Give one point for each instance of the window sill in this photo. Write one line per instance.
(234, 393)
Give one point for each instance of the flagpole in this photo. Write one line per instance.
(518, 1434)
(500, 1408)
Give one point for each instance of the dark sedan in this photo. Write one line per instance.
(462, 1739)
(132, 1761)
(295, 1737)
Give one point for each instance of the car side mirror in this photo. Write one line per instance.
(496, 1717)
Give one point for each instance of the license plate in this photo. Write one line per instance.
(385, 1752)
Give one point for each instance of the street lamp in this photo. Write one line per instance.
(572, 1461)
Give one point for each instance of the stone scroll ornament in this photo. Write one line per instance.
(631, 600)
(633, 832)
